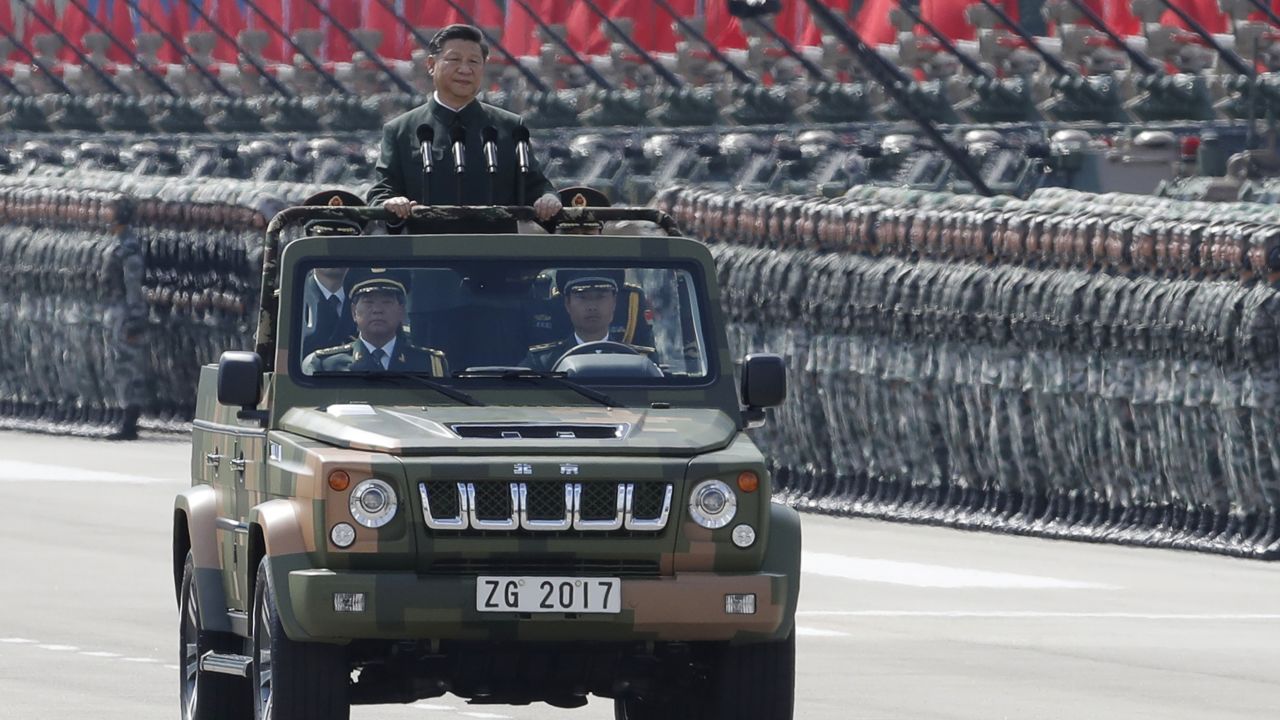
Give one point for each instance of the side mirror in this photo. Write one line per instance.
(764, 381)
(240, 379)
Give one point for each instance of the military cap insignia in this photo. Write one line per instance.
(335, 201)
(579, 201)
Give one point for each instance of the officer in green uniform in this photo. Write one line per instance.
(378, 307)
(632, 317)
(590, 298)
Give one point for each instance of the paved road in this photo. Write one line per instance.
(896, 621)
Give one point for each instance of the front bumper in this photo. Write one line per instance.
(408, 606)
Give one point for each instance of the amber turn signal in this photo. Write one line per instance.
(339, 480)
(748, 481)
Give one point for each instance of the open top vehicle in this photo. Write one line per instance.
(493, 507)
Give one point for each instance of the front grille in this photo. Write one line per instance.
(546, 566)
(543, 507)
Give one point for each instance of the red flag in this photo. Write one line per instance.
(276, 50)
(488, 13)
(722, 28)
(347, 15)
(1204, 12)
(792, 21)
(32, 27)
(172, 16)
(301, 14)
(873, 23)
(394, 36)
(949, 16)
(813, 31)
(583, 30)
(521, 33)
(6, 21)
(73, 25)
(227, 16)
(664, 32)
(120, 22)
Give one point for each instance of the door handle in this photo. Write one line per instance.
(212, 459)
(238, 464)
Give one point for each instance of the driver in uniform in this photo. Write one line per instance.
(590, 299)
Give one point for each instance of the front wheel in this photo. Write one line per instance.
(204, 695)
(293, 680)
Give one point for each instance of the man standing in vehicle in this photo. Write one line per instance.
(459, 127)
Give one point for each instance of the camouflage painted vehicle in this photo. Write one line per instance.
(371, 532)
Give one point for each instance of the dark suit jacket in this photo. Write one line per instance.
(323, 328)
(399, 169)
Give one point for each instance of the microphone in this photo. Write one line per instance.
(426, 138)
(490, 135)
(521, 136)
(458, 135)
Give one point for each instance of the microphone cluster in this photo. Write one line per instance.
(458, 147)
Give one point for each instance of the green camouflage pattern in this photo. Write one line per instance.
(260, 488)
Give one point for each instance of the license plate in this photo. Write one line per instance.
(548, 595)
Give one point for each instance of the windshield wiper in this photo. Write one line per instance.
(520, 373)
(418, 378)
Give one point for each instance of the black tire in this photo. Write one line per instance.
(293, 680)
(756, 682)
(204, 695)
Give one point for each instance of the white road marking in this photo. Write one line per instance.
(802, 631)
(1038, 615)
(895, 572)
(58, 648)
(170, 667)
(17, 641)
(140, 660)
(433, 707)
(484, 715)
(100, 654)
(16, 471)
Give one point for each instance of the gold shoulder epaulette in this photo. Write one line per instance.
(333, 350)
(544, 346)
(644, 349)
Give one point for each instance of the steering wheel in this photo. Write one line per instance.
(598, 346)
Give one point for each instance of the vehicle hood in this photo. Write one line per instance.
(440, 430)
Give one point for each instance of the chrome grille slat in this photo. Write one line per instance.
(541, 507)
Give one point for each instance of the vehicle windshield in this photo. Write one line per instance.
(466, 320)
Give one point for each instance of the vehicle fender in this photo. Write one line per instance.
(197, 508)
(278, 526)
(782, 556)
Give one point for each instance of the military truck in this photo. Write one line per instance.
(367, 529)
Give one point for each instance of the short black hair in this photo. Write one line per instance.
(470, 33)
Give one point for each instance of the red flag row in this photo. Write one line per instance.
(516, 22)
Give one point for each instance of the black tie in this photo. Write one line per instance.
(336, 303)
(377, 355)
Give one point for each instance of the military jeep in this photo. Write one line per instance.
(445, 517)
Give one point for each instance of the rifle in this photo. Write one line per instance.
(398, 81)
(1229, 58)
(594, 74)
(293, 44)
(83, 58)
(738, 73)
(662, 72)
(889, 77)
(969, 63)
(222, 33)
(177, 45)
(528, 74)
(1139, 60)
(128, 51)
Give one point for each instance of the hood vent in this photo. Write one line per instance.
(533, 431)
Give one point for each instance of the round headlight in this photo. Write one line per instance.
(712, 504)
(373, 503)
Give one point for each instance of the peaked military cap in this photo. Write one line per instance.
(335, 226)
(379, 280)
(582, 197)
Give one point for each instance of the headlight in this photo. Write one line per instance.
(373, 503)
(712, 504)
